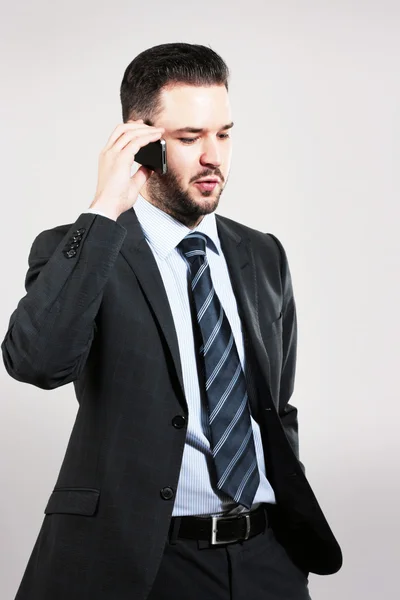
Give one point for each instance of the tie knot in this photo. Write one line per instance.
(193, 245)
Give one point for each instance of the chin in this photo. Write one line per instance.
(208, 205)
(211, 199)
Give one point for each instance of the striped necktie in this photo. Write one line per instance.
(232, 441)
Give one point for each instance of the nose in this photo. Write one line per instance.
(211, 156)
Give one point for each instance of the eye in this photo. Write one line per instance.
(187, 140)
(224, 136)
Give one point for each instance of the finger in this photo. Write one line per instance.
(121, 129)
(133, 145)
(129, 136)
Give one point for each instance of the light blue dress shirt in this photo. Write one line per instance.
(195, 494)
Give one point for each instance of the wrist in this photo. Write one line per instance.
(104, 210)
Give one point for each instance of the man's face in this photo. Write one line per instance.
(199, 146)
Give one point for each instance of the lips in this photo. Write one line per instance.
(207, 181)
(206, 185)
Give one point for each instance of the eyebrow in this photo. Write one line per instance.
(195, 130)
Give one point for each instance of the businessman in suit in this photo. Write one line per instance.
(177, 327)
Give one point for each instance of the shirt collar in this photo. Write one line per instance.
(164, 233)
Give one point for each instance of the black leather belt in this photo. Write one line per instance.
(222, 529)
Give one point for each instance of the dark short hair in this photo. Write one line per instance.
(165, 64)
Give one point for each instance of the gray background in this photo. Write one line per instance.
(315, 97)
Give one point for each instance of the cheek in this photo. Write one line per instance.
(182, 162)
(228, 155)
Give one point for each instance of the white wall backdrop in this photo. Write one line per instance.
(315, 94)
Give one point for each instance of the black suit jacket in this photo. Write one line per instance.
(96, 314)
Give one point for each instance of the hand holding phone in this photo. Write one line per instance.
(117, 190)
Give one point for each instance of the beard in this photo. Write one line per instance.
(166, 192)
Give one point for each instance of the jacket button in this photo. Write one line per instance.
(167, 493)
(82, 230)
(70, 253)
(179, 421)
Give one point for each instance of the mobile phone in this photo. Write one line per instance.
(153, 156)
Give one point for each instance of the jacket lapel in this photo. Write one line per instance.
(242, 271)
(137, 252)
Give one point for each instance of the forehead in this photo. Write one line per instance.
(194, 106)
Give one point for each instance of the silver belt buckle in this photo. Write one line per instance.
(214, 530)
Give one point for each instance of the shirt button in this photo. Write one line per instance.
(179, 421)
(167, 493)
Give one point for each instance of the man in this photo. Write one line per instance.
(177, 328)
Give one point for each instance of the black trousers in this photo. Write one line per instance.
(255, 569)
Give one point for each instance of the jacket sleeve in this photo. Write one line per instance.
(51, 331)
(287, 412)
